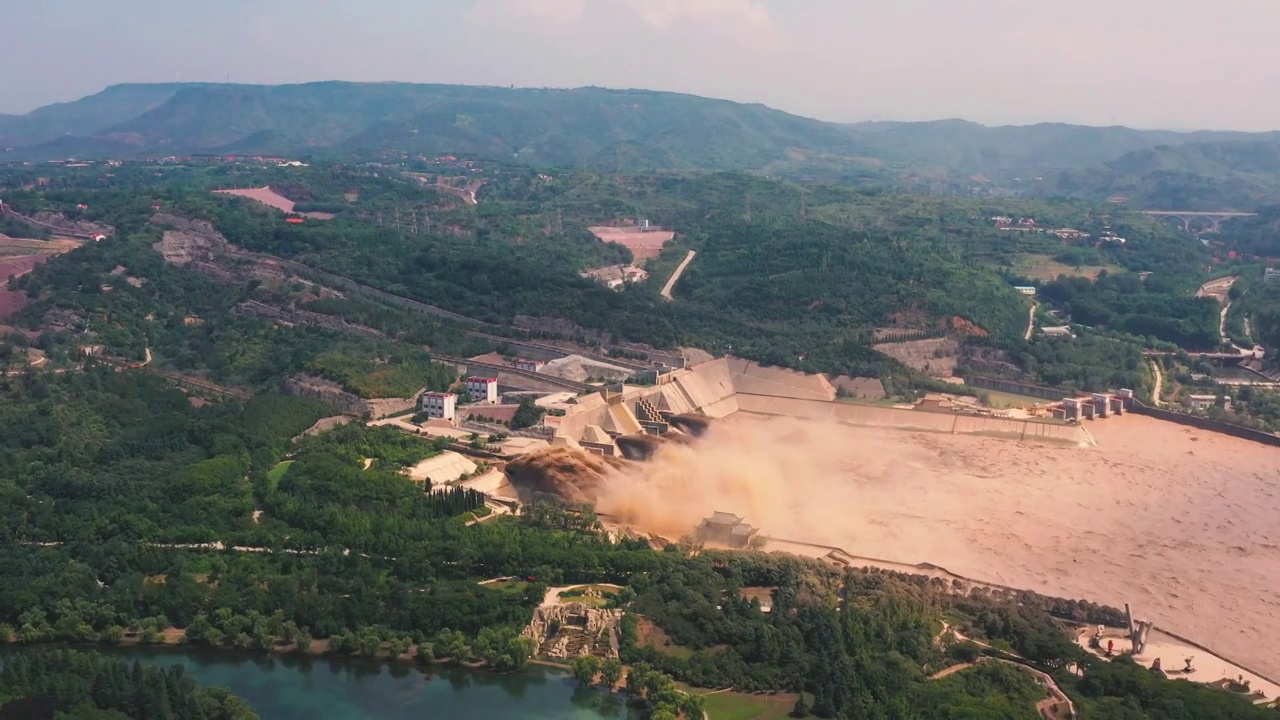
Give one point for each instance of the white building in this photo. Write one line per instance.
(1204, 402)
(483, 390)
(529, 365)
(1025, 290)
(438, 405)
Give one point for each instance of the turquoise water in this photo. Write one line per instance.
(285, 688)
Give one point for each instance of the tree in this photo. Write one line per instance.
(611, 672)
(527, 415)
(637, 679)
(584, 668)
(425, 654)
(692, 706)
(399, 646)
(113, 634)
(802, 707)
(451, 644)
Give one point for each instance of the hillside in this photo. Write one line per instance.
(592, 127)
(1218, 175)
(596, 128)
(967, 147)
(86, 117)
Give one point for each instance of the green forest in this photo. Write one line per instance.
(76, 685)
(139, 514)
(793, 275)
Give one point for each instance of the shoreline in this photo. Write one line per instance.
(174, 638)
(1062, 522)
(931, 570)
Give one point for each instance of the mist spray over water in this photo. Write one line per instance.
(770, 472)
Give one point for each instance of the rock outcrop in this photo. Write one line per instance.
(579, 630)
(329, 391)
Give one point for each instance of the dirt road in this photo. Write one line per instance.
(1155, 392)
(1222, 326)
(1031, 319)
(675, 276)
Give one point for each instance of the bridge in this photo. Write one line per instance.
(1186, 217)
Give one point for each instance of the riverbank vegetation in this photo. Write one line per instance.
(78, 685)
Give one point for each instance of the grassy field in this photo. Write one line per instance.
(741, 706)
(277, 472)
(514, 587)
(1045, 268)
(1001, 400)
(650, 635)
(568, 596)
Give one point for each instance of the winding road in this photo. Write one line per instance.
(1155, 392)
(675, 276)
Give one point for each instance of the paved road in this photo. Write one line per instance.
(675, 276)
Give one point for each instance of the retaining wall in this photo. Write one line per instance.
(535, 381)
(1136, 407)
(877, 416)
(1016, 388)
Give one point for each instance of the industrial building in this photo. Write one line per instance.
(441, 406)
(483, 390)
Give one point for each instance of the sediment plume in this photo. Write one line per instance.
(641, 448)
(569, 473)
(1177, 520)
(762, 471)
(695, 425)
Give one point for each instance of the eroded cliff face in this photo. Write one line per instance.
(579, 629)
(73, 225)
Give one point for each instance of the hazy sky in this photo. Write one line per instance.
(1146, 63)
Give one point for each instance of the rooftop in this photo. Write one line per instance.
(724, 518)
(443, 468)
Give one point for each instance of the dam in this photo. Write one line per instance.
(724, 387)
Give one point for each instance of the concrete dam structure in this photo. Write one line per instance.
(618, 416)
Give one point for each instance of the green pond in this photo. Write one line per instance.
(284, 688)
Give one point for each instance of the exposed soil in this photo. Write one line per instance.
(267, 196)
(643, 245)
(935, 357)
(11, 301)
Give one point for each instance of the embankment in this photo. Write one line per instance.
(1204, 423)
(887, 417)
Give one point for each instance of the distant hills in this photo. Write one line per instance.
(1215, 175)
(586, 127)
(640, 130)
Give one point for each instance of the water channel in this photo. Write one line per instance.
(289, 688)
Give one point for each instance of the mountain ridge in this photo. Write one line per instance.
(607, 129)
